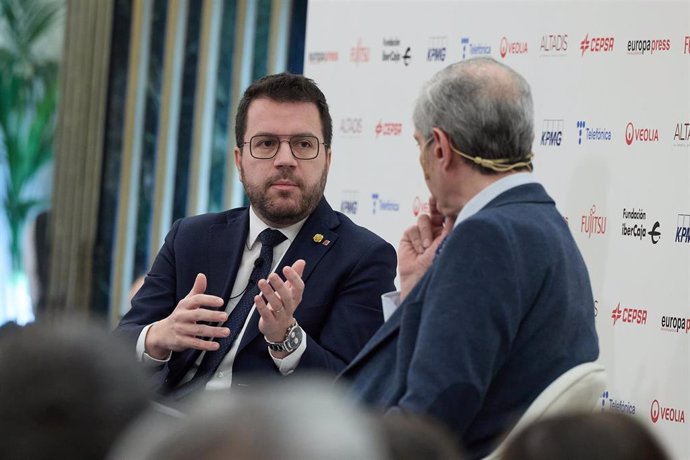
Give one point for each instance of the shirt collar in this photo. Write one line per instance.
(256, 226)
(483, 198)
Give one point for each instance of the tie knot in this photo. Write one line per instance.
(270, 237)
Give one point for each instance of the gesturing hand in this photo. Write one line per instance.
(181, 330)
(282, 299)
(418, 247)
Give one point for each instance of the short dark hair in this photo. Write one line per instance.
(284, 87)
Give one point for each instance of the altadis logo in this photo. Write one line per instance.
(640, 134)
(667, 414)
(553, 45)
(681, 135)
(596, 44)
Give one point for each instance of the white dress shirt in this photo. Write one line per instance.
(222, 379)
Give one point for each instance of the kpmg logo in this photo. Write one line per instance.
(635, 226)
(596, 44)
(683, 228)
(470, 49)
(633, 134)
(551, 133)
(661, 413)
(585, 133)
(436, 52)
(351, 126)
(620, 406)
(379, 204)
(419, 206)
(553, 45)
(640, 47)
(508, 47)
(360, 53)
(681, 134)
(629, 315)
(320, 57)
(393, 52)
(350, 201)
(388, 129)
(592, 223)
(675, 324)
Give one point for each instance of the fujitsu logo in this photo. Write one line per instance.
(592, 223)
(667, 414)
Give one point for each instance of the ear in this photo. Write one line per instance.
(238, 159)
(442, 150)
(328, 158)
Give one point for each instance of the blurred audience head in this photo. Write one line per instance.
(67, 391)
(595, 436)
(413, 437)
(294, 418)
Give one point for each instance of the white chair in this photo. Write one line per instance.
(578, 390)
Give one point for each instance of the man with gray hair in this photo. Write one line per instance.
(495, 299)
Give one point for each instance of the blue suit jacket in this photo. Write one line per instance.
(341, 305)
(505, 308)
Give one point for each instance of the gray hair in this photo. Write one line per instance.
(484, 106)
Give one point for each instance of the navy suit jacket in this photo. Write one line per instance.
(340, 308)
(505, 308)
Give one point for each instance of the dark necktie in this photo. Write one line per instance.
(269, 239)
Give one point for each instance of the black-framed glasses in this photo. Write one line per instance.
(265, 146)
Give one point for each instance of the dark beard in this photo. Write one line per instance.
(285, 216)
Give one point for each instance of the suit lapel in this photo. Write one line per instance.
(225, 253)
(322, 221)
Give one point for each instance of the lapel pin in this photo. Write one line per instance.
(326, 242)
(318, 238)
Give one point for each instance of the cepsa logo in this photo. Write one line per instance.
(553, 45)
(507, 47)
(633, 134)
(659, 412)
(675, 324)
(596, 44)
(592, 223)
(359, 53)
(320, 57)
(419, 206)
(388, 129)
(629, 315)
(641, 47)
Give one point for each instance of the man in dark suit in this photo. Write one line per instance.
(205, 281)
(495, 299)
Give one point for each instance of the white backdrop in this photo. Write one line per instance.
(611, 85)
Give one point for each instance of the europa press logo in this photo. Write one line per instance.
(596, 44)
(661, 413)
(633, 134)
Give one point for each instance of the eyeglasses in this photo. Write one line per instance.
(265, 146)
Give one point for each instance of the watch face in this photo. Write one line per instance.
(294, 339)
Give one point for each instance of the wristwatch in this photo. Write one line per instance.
(293, 339)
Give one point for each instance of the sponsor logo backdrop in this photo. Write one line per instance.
(612, 110)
